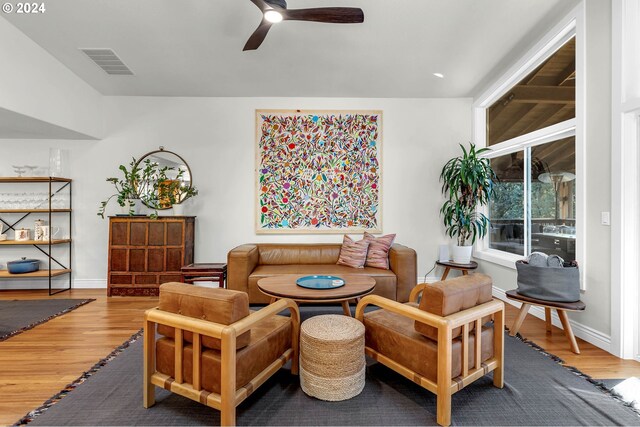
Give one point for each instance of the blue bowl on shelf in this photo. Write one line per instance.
(23, 265)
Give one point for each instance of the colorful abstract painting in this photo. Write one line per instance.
(318, 171)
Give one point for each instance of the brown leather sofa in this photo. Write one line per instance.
(246, 264)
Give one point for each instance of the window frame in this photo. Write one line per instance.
(572, 25)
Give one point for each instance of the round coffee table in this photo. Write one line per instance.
(284, 286)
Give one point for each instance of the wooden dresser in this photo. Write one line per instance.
(145, 252)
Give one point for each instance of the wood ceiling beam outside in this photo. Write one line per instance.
(549, 112)
(528, 94)
(566, 112)
(566, 74)
(499, 106)
(497, 131)
(538, 100)
(534, 74)
(525, 94)
(559, 156)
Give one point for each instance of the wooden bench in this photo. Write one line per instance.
(560, 307)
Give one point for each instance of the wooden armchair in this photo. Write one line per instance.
(440, 344)
(213, 350)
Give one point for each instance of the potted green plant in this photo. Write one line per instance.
(126, 194)
(468, 183)
(152, 184)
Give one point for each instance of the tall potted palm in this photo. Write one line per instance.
(468, 183)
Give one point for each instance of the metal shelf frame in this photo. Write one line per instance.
(51, 271)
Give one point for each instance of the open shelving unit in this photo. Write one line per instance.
(55, 267)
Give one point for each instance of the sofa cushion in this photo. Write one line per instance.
(269, 339)
(378, 252)
(394, 336)
(222, 306)
(298, 253)
(454, 295)
(353, 253)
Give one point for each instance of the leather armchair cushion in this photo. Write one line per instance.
(274, 270)
(221, 306)
(394, 336)
(269, 339)
(451, 296)
(284, 254)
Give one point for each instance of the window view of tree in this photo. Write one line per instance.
(507, 201)
(544, 207)
(506, 209)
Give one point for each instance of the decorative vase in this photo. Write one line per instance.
(57, 162)
(461, 254)
(178, 209)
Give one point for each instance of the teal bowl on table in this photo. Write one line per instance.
(320, 282)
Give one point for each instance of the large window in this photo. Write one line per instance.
(531, 130)
(545, 221)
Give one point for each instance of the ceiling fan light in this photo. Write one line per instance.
(273, 16)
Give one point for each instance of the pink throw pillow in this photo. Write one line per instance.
(378, 254)
(352, 253)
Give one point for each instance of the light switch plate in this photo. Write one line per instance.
(605, 218)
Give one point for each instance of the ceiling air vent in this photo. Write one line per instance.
(108, 61)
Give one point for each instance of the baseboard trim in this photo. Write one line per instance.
(43, 284)
(587, 333)
(89, 284)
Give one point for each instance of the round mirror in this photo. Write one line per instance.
(163, 179)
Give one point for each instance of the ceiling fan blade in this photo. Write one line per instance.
(334, 15)
(262, 5)
(258, 36)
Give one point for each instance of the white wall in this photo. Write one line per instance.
(595, 321)
(33, 83)
(217, 135)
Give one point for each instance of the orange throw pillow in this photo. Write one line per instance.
(352, 253)
(378, 254)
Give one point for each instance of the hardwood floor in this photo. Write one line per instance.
(592, 360)
(40, 362)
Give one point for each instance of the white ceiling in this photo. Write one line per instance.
(194, 47)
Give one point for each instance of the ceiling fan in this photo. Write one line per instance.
(274, 11)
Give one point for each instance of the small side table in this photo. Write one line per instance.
(201, 271)
(560, 307)
(450, 265)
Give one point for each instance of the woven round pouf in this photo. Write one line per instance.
(332, 363)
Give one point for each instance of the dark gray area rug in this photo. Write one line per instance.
(538, 391)
(17, 316)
